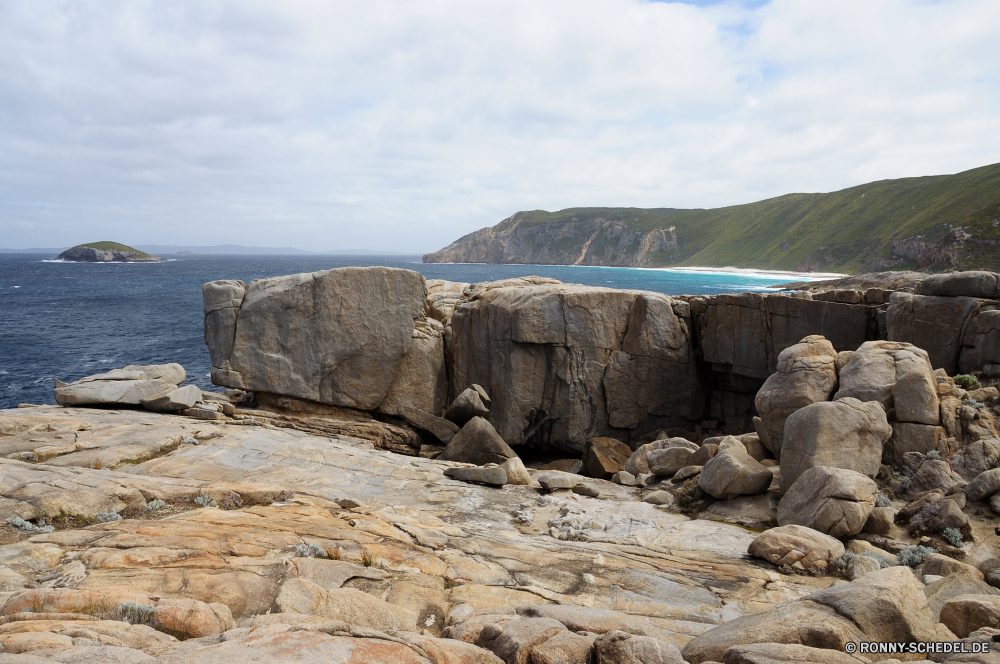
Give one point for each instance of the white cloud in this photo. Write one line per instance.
(403, 125)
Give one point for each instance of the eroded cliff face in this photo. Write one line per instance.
(580, 241)
(564, 363)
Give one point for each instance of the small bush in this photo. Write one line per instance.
(882, 500)
(914, 555)
(953, 536)
(190, 441)
(231, 502)
(26, 527)
(309, 551)
(933, 454)
(967, 382)
(920, 520)
(155, 505)
(904, 482)
(107, 517)
(205, 501)
(134, 613)
(840, 564)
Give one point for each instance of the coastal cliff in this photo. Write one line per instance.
(107, 252)
(934, 223)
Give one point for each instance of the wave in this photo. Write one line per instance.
(752, 273)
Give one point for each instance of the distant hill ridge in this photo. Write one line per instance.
(932, 223)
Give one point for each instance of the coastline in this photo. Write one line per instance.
(759, 273)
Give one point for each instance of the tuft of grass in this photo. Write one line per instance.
(205, 501)
(366, 558)
(953, 536)
(967, 382)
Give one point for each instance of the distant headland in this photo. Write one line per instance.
(107, 252)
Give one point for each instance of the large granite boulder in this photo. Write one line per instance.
(913, 437)
(127, 386)
(639, 461)
(421, 380)
(840, 434)
(174, 400)
(934, 323)
(961, 284)
(732, 472)
(798, 547)
(965, 614)
(886, 605)
(806, 373)
(988, 340)
(479, 443)
(834, 501)
(603, 457)
(897, 375)
(334, 337)
(564, 363)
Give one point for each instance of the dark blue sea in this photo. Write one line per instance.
(68, 320)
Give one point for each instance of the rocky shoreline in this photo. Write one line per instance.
(521, 471)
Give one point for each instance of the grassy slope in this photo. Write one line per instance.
(107, 245)
(859, 222)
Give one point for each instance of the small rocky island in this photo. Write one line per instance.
(107, 252)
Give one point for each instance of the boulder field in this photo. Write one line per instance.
(521, 472)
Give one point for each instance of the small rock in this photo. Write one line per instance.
(659, 498)
(685, 473)
(603, 457)
(666, 462)
(704, 453)
(431, 451)
(516, 472)
(860, 566)
(174, 400)
(556, 480)
(880, 521)
(798, 547)
(624, 478)
(479, 443)
(495, 476)
(467, 405)
(585, 489)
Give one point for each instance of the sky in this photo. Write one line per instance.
(403, 125)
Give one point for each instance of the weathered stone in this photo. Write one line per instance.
(603, 457)
(348, 604)
(950, 515)
(939, 592)
(845, 434)
(984, 485)
(556, 480)
(912, 437)
(617, 647)
(335, 337)
(940, 565)
(493, 475)
(754, 447)
(420, 387)
(806, 373)
(564, 647)
(222, 302)
(880, 521)
(122, 387)
(624, 478)
(173, 400)
(567, 363)
(704, 454)
(784, 653)
(933, 323)
(516, 472)
(514, 641)
(988, 337)
(960, 284)
(659, 498)
(733, 473)
(666, 462)
(478, 443)
(638, 462)
(798, 547)
(860, 566)
(834, 501)
(800, 622)
(897, 375)
(965, 614)
(931, 474)
(467, 405)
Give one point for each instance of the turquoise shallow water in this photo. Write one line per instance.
(68, 320)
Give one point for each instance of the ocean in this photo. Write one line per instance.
(68, 320)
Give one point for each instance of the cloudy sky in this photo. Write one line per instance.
(403, 125)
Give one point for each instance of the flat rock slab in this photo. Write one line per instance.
(495, 476)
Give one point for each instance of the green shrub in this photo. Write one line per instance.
(953, 536)
(967, 382)
(914, 555)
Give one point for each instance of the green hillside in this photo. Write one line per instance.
(931, 223)
(107, 245)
